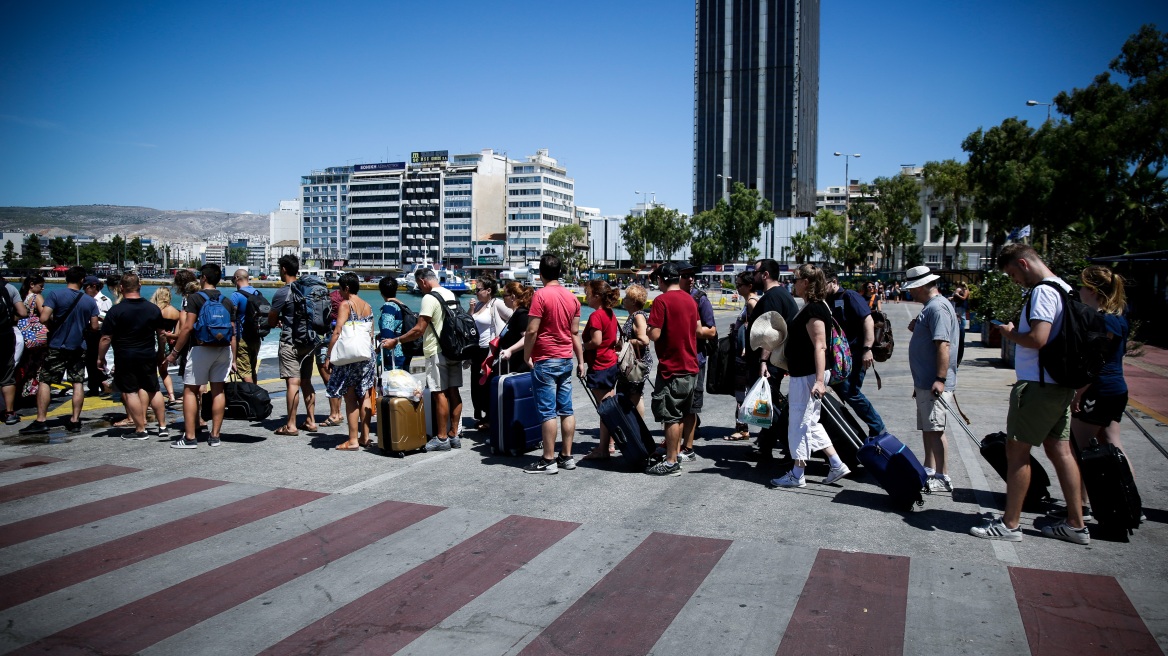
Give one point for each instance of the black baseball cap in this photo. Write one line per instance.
(668, 271)
(684, 267)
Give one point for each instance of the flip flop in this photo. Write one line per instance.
(331, 422)
(284, 430)
(342, 447)
(736, 437)
(304, 427)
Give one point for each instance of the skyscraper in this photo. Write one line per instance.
(756, 100)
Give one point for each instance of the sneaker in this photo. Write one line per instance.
(12, 418)
(665, 468)
(35, 427)
(136, 436)
(995, 529)
(184, 443)
(542, 466)
(1063, 531)
(565, 462)
(789, 480)
(213, 441)
(436, 444)
(687, 455)
(164, 433)
(455, 442)
(1061, 513)
(73, 426)
(834, 475)
(939, 485)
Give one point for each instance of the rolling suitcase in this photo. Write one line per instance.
(242, 400)
(895, 467)
(1115, 501)
(401, 423)
(515, 424)
(627, 428)
(993, 449)
(846, 433)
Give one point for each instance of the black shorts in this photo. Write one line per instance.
(1099, 409)
(133, 375)
(7, 358)
(699, 395)
(602, 379)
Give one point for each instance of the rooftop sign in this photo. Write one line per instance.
(383, 166)
(429, 156)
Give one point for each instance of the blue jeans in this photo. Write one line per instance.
(849, 392)
(551, 381)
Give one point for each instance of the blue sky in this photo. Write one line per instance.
(225, 104)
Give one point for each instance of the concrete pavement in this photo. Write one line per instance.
(334, 552)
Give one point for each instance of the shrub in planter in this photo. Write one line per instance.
(999, 298)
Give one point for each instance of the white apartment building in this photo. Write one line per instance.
(474, 202)
(215, 254)
(606, 249)
(540, 198)
(284, 222)
(324, 199)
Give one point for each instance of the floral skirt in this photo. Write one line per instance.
(358, 376)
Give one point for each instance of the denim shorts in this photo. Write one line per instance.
(552, 383)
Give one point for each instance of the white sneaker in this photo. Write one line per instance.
(1063, 531)
(935, 484)
(995, 529)
(789, 480)
(834, 475)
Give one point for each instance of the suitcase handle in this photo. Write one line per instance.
(588, 392)
(958, 419)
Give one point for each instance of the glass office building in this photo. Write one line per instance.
(756, 101)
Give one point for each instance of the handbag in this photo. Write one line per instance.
(632, 367)
(355, 343)
(35, 333)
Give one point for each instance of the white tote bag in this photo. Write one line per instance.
(756, 406)
(355, 343)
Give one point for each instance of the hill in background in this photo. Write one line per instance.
(97, 220)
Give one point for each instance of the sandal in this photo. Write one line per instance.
(284, 430)
(310, 429)
(330, 422)
(343, 447)
(737, 437)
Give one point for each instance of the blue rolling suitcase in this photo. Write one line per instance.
(515, 425)
(895, 468)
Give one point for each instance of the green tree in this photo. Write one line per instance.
(633, 236)
(666, 230)
(117, 250)
(726, 232)
(9, 253)
(238, 255)
(890, 209)
(93, 252)
(150, 255)
(827, 234)
(562, 242)
(32, 258)
(802, 247)
(948, 183)
(134, 250)
(61, 250)
(914, 255)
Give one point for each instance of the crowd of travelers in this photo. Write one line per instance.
(214, 336)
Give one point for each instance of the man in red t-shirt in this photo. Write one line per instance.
(673, 328)
(552, 338)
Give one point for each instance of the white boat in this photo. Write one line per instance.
(448, 279)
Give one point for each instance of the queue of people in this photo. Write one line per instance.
(215, 335)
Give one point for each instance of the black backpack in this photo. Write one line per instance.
(882, 343)
(459, 337)
(706, 347)
(255, 323)
(7, 309)
(1077, 353)
(721, 369)
(409, 320)
(311, 311)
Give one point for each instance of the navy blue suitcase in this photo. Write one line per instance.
(895, 468)
(515, 425)
(628, 430)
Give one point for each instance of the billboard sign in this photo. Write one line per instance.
(489, 253)
(383, 166)
(429, 156)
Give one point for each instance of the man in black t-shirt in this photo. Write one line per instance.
(775, 297)
(854, 316)
(133, 328)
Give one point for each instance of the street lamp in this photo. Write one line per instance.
(726, 180)
(644, 214)
(847, 192)
(1032, 103)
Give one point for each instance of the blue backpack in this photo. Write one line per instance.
(213, 326)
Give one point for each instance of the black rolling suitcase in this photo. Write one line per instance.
(846, 433)
(243, 400)
(1115, 501)
(993, 449)
(627, 427)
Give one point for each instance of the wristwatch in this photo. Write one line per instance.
(940, 379)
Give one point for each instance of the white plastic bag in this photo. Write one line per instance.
(399, 383)
(756, 406)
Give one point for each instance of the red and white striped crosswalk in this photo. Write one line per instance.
(98, 559)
